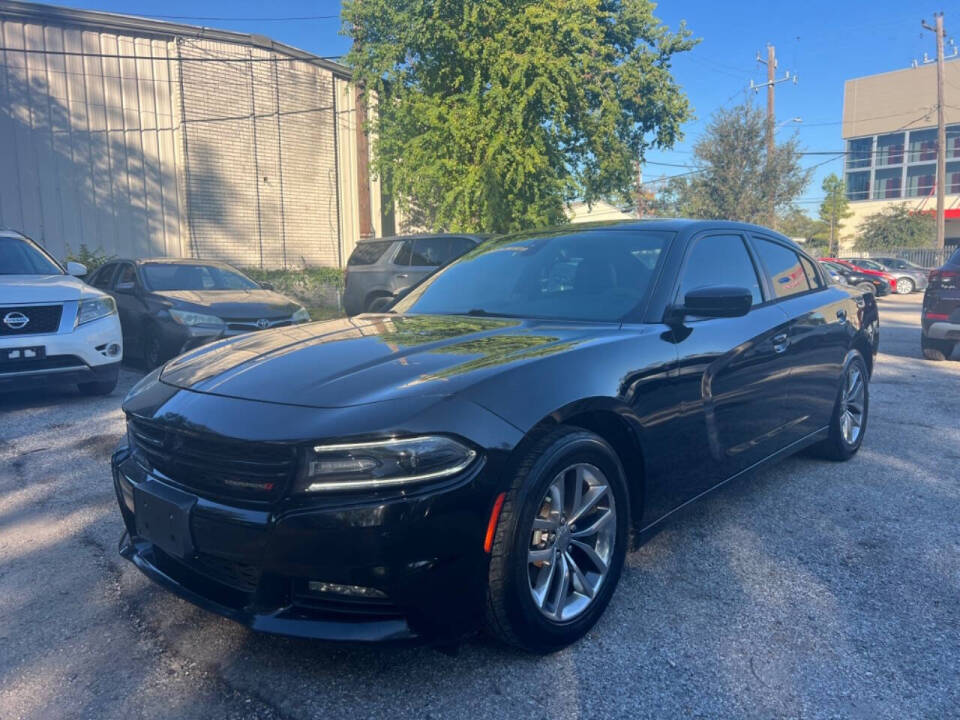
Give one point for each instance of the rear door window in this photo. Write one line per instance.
(367, 253)
(784, 271)
(812, 275)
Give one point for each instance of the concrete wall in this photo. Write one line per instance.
(902, 99)
(192, 146)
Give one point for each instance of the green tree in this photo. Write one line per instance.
(735, 181)
(897, 227)
(494, 113)
(797, 224)
(834, 209)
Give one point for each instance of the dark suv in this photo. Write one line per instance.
(379, 269)
(941, 310)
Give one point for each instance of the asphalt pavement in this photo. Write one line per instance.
(811, 589)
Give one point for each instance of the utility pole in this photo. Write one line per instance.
(770, 84)
(941, 130)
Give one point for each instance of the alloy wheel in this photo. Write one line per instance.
(905, 286)
(571, 542)
(852, 405)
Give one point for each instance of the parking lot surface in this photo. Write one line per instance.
(811, 589)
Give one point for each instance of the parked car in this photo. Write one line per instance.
(54, 328)
(481, 454)
(861, 281)
(940, 319)
(908, 279)
(380, 269)
(168, 306)
(890, 279)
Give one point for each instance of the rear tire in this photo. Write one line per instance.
(936, 350)
(848, 424)
(575, 582)
(905, 286)
(378, 303)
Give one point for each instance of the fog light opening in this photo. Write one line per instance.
(113, 349)
(345, 590)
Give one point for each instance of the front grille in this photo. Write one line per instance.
(212, 465)
(251, 325)
(54, 362)
(239, 575)
(40, 319)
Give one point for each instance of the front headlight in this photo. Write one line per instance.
(94, 309)
(382, 463)
(192, 319)
(301, 316)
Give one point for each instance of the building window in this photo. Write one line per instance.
(890, 149)
(887, 184)
(859, 152)
(953, 142)
(921, 180)
(923, 145)
(953, 178)
(858, 186)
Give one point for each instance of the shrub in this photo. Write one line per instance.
(92, 259)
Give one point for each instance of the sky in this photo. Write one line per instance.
(822, 42)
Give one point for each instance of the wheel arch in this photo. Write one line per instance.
(616, 424)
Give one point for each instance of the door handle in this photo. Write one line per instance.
(402, 276)
(842, 316)
(780, 342)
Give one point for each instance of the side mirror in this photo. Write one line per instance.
(267, 286)
(127, 288)
(76, 269)
(718, 301)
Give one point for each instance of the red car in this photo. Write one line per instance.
(866, 271)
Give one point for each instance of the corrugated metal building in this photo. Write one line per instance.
(146, 138)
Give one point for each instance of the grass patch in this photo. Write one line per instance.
(319, 289)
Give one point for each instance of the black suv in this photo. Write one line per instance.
(941, 310)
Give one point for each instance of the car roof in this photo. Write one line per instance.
(172, 261)
(9, 232)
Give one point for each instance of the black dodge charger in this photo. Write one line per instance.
(481, 455)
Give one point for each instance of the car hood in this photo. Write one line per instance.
(371, 358)
(232, 304)
(31, 289)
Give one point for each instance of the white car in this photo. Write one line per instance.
(53, 326)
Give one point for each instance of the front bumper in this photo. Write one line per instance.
(87, 353)
(424, 552)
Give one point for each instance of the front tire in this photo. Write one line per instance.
(905, 286)
(152, 351)
(560, 542)
(866, 288)
(851, 409)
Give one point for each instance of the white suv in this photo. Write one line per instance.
(53, 326)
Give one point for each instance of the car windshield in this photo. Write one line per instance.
(21, 257)
(181, 276)
(869, 264)
(597, 276)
